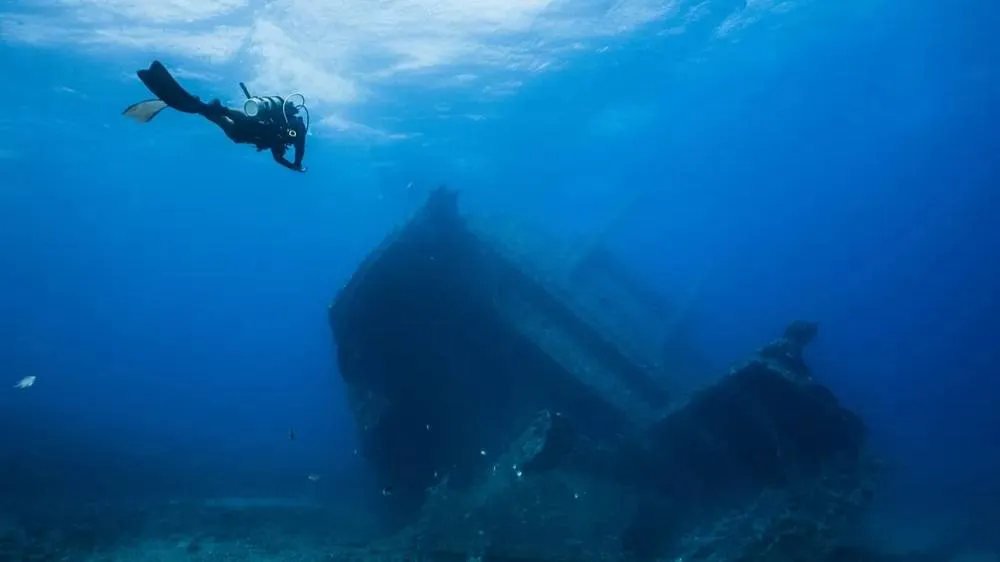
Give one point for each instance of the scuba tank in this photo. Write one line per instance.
(260, 106)
(271, 106)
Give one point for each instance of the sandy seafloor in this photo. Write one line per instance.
(290, 529)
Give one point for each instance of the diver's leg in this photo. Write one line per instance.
(163, 85)
(237, 126)
(215, 107)
(227, 125)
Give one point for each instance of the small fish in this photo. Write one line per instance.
(25, 382)
(291, 435)
(387, 491)
(313, 477)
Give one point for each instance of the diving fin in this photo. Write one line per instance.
(159, 81)
(145, 111)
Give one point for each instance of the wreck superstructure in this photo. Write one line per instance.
(522, 407)
(450, 344)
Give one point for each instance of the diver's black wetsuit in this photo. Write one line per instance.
(267, 131)
(275, 128)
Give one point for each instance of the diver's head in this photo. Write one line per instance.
(291, 109)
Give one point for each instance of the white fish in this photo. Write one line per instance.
(313, 477)
(25, 382)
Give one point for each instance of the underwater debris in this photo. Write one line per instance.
(786, 352)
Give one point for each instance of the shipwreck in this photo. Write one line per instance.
(524, 407)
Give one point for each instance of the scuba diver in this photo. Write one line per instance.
(270, 123)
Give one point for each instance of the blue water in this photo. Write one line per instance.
(826, 160)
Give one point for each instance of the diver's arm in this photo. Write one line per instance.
(279, 157)
(300, 148)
